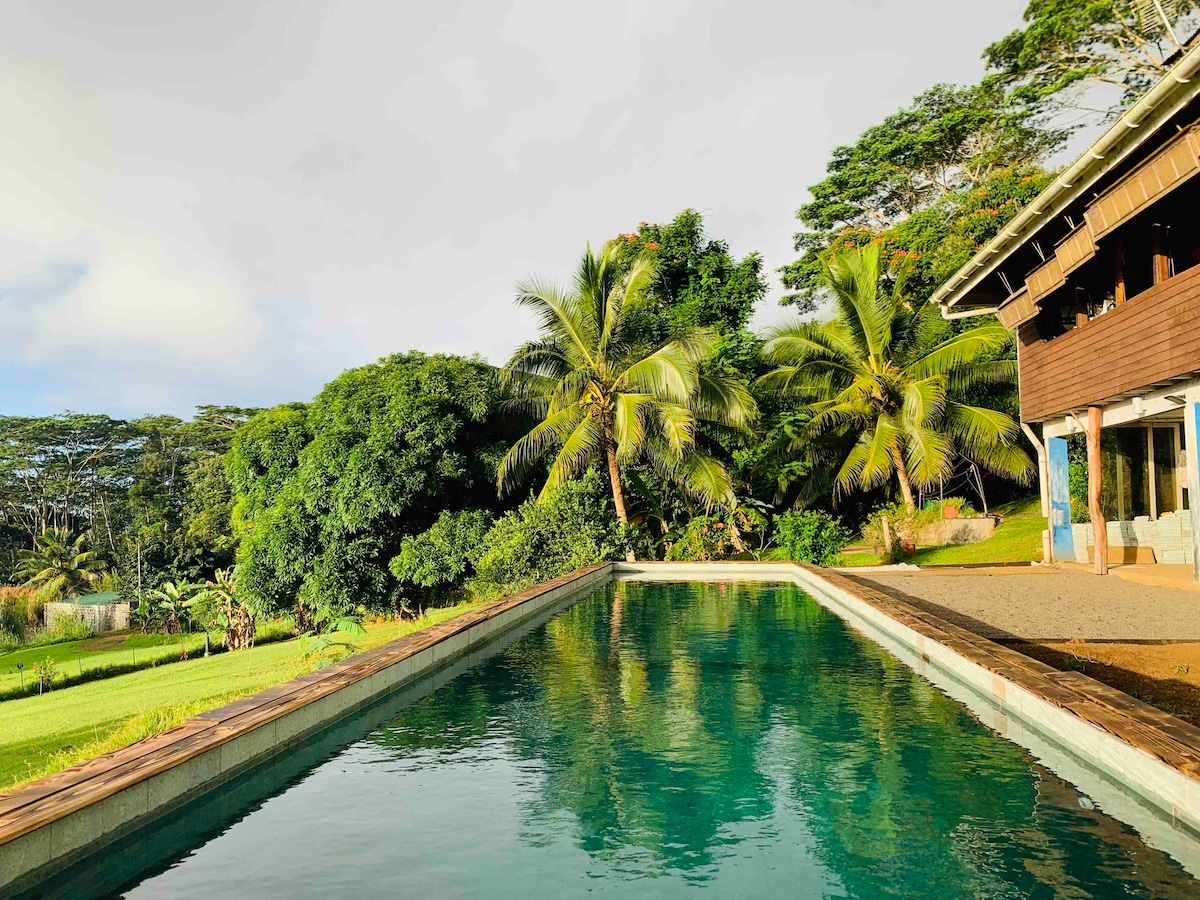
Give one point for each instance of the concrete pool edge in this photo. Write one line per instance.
(49, 824)
(1152, 753)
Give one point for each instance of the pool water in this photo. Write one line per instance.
(655, 740)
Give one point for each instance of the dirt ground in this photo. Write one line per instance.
(1163, 675)
(1142, 640)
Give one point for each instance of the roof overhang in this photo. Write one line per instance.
(1170, 96)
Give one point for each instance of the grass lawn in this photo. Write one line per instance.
(41, 735)
(1018, 538)
(71, 657)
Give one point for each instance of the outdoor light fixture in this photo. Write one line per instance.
(1176, 398)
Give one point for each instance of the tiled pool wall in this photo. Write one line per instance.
(54, 823)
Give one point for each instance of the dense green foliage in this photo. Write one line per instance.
(606, 396)
(696, 281)
(328, 492)
(812, 536)
(58, 567)
(1068, 46)
(573, 525)
(955, 164)
(442, 555)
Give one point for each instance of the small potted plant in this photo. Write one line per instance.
(952, 507)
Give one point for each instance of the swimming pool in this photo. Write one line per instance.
(652, 739)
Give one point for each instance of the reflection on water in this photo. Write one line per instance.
(655, 739)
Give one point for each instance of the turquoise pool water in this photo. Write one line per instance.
(656, 741)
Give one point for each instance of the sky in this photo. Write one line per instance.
(232, 202)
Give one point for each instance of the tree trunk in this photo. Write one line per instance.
(906, 493)
(614, 476)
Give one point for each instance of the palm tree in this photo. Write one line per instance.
(889, 375)
(59, 566)
(603, 398)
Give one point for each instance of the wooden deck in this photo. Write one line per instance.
(1151, 339)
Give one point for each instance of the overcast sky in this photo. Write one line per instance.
(232, 202)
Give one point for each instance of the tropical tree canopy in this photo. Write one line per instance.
(604, 397)
(890, 379)
(59, 566)
(326, 493)
(1067, 47)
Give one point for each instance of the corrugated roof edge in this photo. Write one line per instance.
(1176, 89)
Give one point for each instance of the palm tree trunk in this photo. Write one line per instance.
(905, 486)
(614, 476)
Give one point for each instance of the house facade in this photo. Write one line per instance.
(1099, 278)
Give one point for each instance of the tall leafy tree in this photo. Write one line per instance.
(604, 397)
(887, 382)
(929, 157)
(1068, 47)
(326, 493)
(696, 283)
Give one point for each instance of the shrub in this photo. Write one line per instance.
(902, 523)
(703, 538)
(572, 526)
(443, 556)
(15, 609)
(812, 536)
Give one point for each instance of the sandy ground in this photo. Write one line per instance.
(1049, 605)
(1139, 639)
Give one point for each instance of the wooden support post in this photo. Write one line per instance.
(1162, 262)
(1152, 483)
(1099, 526)
(1119, 293)
(1081, 307)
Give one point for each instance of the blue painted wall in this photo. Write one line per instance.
(1062, 539)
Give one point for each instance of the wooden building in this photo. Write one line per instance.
(1100, 279)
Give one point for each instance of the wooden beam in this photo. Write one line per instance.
(1153, 485)
(1162, 262)
(1095, 477)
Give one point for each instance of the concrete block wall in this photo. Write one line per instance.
(1169, 538)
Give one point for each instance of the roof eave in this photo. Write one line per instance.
(1156, 107)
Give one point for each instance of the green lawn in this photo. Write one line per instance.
(40, 735)
(1018, 538)
(72, 657)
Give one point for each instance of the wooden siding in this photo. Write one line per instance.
(1075, 249)
(1166, 170)
(1017, 309)
(1152, 338)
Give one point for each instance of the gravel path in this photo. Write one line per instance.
(1048, 604)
